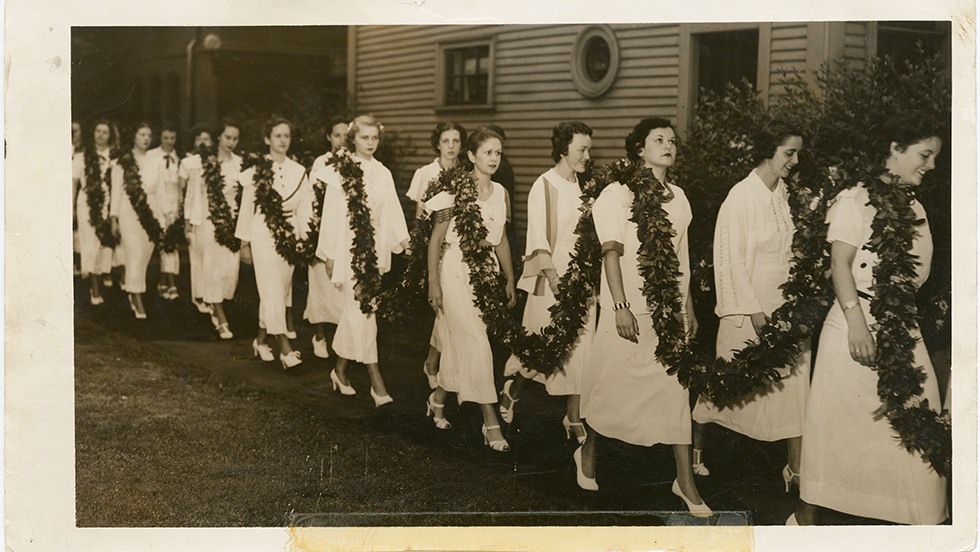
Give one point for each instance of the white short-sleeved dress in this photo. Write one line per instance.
(325, 300)
(852, 462)
(552, 214)
(356, 337)
(95, 258)
(416, 192)
(626, 392)
(217, 266)
(273, 274)
(466, 365)
(752, 251)
(170, 197)
(136, 244)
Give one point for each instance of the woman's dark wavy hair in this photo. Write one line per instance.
(562, 135)
(475, 140)
(443, 127)
(273, 123)
(222, 125)
(769, 138)
(636, 137)
(88, 138)
(905, 129)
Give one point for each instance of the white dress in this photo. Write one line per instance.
(416, 192)
(356, 337)
(273, 274)
(217, 266)
(626, 393)
(95, 259)
(851, 462)
(169, 262)
(752, 251)
(137, 247)
(466, 364)
(194, 196)
(325, 300)
(552, 214)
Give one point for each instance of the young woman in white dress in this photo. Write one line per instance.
(173, 198)
(273, 273)
(552, 215)
(627, 393)
(136, 244)
(447, 140)
(752, 252)
(324, 301)
(466, 364)
(95, 259)
(852, 461)
(356, 339)
(201, 136)
(218, 265)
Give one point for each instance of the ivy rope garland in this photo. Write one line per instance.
(364, 256)
(168, 240)
(297, 252)
(96, 188)
(222, 215)
(893, 307)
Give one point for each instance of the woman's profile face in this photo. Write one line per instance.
(449, 144)
(101, 136)
(578, 152)
(142, 139)
(660, 148)
(486, 159)
(913, 162)
(786, 156)
(278, 139)
(366, 141)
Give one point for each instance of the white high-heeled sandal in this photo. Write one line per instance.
(697, 510)
(568, 425)
(499, 445)
(585, 482)
(290, 360)
(507, 414)
(344, 388)
(262, 351)
(788, 475)
(430, 410)
(697, 465)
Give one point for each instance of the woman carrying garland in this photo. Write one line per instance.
(552, 215)
(360, 207)
(447, 140)
(628, 394)
(851, 459)
(211, 207)
(324, 302)
(466, 365)
(140, 212)
(92, 198)
(272, 222)
(752, 252)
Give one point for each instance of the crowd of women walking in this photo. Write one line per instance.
(342, 219)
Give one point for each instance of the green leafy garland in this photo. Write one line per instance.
(222, 215)
(96, 186)
(808, 295)
(364, 256)
(658, 266)
(297, 252)
(893, 307)
(168, 240)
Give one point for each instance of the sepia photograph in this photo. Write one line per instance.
(492, 284)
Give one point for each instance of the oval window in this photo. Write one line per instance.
(595, 60)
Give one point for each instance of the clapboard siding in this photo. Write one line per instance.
(394, 77)
(856, 42)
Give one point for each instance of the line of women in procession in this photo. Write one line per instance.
(838, 454)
